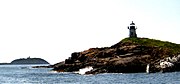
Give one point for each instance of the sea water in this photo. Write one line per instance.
(24, 74)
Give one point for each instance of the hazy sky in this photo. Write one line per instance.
(53, 29)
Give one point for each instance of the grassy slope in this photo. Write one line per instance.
(174, 48)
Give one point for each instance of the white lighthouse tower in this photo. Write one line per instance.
(132, 30)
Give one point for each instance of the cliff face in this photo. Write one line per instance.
(29, 61)
(131, 55)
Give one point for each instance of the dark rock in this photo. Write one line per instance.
(49, 66)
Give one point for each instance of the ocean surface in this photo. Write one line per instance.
(24, 74)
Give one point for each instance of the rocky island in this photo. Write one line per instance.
(130, 55)
(29, 61)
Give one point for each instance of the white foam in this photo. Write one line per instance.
(147, 68)
(53, 71)
(84, 70)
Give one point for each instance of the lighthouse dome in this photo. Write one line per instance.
(132, 23)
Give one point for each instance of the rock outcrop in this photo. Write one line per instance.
(131, 55)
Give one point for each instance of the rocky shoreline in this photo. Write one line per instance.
(131, 55)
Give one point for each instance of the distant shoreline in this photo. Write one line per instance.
(21, 64)
(5, 64)
(26, 61)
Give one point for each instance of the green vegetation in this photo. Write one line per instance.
(172, 47)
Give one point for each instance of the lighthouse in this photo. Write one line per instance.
(132, 30)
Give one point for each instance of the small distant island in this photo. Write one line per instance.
(26, 61)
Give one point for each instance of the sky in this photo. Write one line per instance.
(53, 29)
